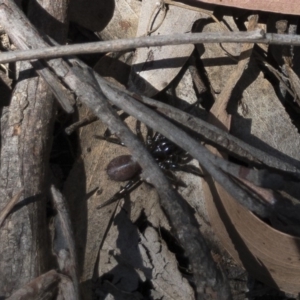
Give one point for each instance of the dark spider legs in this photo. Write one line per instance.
(171, 157)
(168, 156)
(127, 189)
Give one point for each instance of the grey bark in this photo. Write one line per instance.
(26, 128)
(257, 36)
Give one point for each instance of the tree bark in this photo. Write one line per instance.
(26, 130)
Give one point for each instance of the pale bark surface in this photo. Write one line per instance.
(26, 130)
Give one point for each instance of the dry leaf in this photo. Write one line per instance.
(124, 22)
(265, 253)
(269, 255)
(218, 64)
(289, 7)
(135, 257)
(155, 67)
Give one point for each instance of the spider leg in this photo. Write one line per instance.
(187, 169)
(174, 179)
(149, 138)
(128, 188)
(110, 140)
(185, 158)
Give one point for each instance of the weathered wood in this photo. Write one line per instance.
(257, 36)
(44, 287)
(26, 129)
(66, 254)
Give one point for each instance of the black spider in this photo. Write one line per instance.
(169, 157)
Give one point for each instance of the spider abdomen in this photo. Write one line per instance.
(122, 168)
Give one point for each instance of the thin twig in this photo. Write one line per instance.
(127, 44)
(88, 120)
(263, 178)
(218, 114)
(257, 36)
(210, 162)
(218, 137)
(200, 10)
(208, 278)
(276, 73)
(160, 7)
(182, 139)
(9, 206)
(179, 137)
(71, 266)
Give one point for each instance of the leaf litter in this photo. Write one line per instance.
(122, 251)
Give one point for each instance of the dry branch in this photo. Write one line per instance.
(209, 280)
(129, 44)
(257, 36)
(44, 287)
(8, 21)
(26, 130)
(216, 136)
(67, 258)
